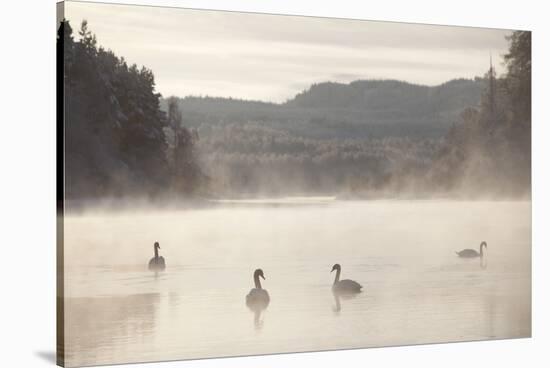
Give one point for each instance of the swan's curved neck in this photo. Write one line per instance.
(156, 252)
(257, 283)
(481, 248)
(337, 278)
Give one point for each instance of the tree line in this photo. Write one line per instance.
(118, 141)
(489, 150)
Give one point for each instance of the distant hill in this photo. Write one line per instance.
(328, 138)
(384, 95)
(360, 109)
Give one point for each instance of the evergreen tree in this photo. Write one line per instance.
(115, 142)
(490, 149)
(518, 78)
(186, 175)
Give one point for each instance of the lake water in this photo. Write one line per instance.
(416, 290)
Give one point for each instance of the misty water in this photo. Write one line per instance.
(416, 290)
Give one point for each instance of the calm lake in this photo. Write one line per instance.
(416, 289)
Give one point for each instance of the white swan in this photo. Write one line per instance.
(157, 263)
(257, 298)
(344, 286)
(472, 253)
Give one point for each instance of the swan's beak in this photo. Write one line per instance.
(332, 270)
(262, 276)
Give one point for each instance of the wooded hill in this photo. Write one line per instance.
(360, 109)
(115, 134)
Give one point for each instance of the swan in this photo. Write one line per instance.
(157, 263)
(344, 286)
(257, 298)
(471, 253)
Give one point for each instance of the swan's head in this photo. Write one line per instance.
(336, 267)
(483, 244)
(259, 273)
(157, 246)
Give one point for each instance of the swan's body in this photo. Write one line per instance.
(257, 298)
(344, 286)
(468, 253)
(347, 286)
(157, 263)
(472, 253)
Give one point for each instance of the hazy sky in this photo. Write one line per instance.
(271, 58)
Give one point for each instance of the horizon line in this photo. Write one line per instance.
(198, 96)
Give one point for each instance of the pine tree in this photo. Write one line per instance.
(518, 62)
(115, 141)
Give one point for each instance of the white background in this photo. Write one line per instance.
(27, 192)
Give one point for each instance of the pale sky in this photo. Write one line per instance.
(273, 57)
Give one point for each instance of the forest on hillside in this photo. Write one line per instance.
(488, 151)
(360, 109)
(117, 139)
(368, 138)
(330, 138)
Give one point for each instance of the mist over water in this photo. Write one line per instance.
(416, 290)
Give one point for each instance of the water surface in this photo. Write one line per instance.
(416, 290)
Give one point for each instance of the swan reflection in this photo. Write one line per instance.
(483, 263)
(340, 295)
